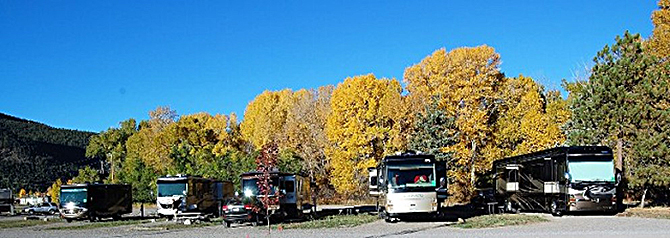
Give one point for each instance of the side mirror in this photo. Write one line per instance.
(443, 182)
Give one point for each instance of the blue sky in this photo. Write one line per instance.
(88, 65)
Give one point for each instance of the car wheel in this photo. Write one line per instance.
(68, 220)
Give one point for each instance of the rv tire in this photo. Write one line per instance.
(509, 207)
(555, 210)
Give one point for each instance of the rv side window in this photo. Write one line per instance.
(513, 176)
(289, 186)
(373, 181)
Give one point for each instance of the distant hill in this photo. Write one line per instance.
(33, 155)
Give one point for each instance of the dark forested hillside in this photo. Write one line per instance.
(33, 155)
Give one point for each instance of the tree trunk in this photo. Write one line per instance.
(644, 195)
(142, 209)
(619, 155)
(267, 216)
(472, 164)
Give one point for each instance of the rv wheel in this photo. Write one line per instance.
(509, 207)
(68, 220)
(555, 211)
(228, 224)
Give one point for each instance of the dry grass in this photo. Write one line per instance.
(488, 221)
(331, 222)
(26, 223)
(653, 212)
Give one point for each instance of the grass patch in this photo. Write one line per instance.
(25, 223)
(94, 225)
(179, 226)
(331, 222)
(654, 212)
(500, 220)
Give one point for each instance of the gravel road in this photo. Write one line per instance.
(568, 226)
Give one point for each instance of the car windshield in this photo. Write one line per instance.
(171, 189)
(591, 169)
(411, 176)
(250, 186)
(76, 196)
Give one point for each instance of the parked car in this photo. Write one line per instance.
(236, 211)
(43, 208)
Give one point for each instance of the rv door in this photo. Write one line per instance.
(373, 181)
(512, 178)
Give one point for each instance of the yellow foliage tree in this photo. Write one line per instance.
(22, 193)
(304, 130)
(466, 83)
(265, 116)
(530, 120)
(151, 143)
(363, 126)
(660, 39)
(54, 191)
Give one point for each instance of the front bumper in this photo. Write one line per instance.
(238, 217)
(414, 215)
(73, 213)
(592, 206)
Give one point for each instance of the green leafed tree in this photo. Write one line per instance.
(625, 104)
(87, 175)
(603, 107)
(111, 145)
(433, 131)
(140, 177)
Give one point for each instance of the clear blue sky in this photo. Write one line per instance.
(89, 64)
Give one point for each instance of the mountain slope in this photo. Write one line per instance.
(33, 155)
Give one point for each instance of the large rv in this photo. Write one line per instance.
(191, 195)
(408, 185)
(93, 201)
(6, 201)
(296, 199)
(558, 180)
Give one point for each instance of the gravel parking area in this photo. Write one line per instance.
(568, 226)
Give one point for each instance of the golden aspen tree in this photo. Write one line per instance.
(265, 116)
(466, 83)
(530, 120)
(363, 126)
(659, 41)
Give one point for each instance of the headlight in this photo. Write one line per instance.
(248, 193)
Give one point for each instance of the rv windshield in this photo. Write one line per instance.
(411, 176)
(250, 186)
(591, 169)
(77, 196)
(171, 189)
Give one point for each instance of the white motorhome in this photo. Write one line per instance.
(191, 195)
(409, 185)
